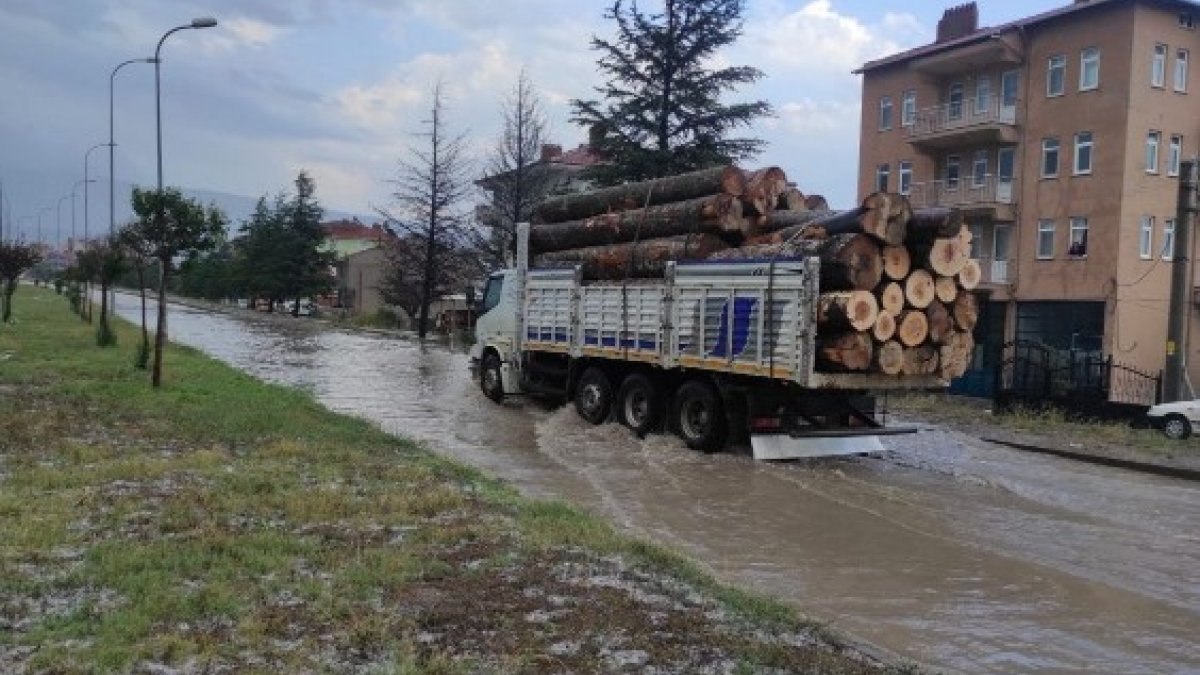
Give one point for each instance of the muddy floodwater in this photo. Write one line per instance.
(945, 550)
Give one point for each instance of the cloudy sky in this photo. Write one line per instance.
(337, 87)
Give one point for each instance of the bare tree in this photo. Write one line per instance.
(515, 175)
(429, 192)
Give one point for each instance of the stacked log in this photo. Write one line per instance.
(895, 282)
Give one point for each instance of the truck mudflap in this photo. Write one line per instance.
(825, 443)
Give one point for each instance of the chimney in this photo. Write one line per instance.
(957, 22)
(551, 152)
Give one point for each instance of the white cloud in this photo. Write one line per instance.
(252, 33)
(809, 116)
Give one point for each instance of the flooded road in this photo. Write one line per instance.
(945, 550)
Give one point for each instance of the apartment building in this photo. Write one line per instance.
(1060, 136)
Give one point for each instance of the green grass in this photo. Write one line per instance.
(225, 522)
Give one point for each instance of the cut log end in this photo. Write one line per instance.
(970, 275)
(891, 298)
(919, 289)
(946, 289)
(897, 263)
(920, 361)
(856, 310)
(885, 326)
(889, 358)
(912, 328)
(846, 352)
(948, 256)
(965, 311)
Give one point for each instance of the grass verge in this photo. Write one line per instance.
(221, 523)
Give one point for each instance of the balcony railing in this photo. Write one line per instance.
(994, 271)
(965, 191)
(961, 115)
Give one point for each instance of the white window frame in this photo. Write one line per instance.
(1090, 145)
(955, 88)
(883, 175)
(885, 113)
(1089, 63)
(1046, 150)
(1146, 238)
(1153, 142)
(904, 170)
(1181, 70)
(1058, 63)
(1158, 66)
(983, 94)
(908, 108)
(1045, 235)
(1078, 224)
(1174, 154)
(979, 160)
(1168, 249)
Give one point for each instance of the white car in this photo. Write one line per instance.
(1176, 419)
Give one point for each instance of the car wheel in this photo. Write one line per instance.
(638, 405)
(490, 379)
(699, 417)
(1177, 426)
(593, 396)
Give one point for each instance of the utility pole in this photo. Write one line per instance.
(1180, 305)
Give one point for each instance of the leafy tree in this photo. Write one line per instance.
(515, 175)
(111, 262)
(173, 226)
(663, 111)
(15, 259)
(429, 192)
(260, 267)
(140, 255)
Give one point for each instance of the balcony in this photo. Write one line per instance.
(991, 196)
(994, 271)
(964, 123)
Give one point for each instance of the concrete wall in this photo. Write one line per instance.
(361, 274)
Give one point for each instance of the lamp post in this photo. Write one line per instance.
(85, 186)
(112, 144)
(74, 237)
(200, 22)
(58, 222)
(44, 209)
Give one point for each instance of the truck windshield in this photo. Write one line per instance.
(491, 294)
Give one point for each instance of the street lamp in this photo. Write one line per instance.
(74, 239)
(58, 222)
(85, 188)
(112, 185)
(200, 22)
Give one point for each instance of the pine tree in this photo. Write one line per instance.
(662, 111)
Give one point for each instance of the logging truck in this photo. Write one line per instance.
(718, 352)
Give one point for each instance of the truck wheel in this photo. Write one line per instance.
(1177, 427)
(699, 416)
(490, 379)
(593, 396)
(638, 404)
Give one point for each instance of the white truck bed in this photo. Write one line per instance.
(746, 318)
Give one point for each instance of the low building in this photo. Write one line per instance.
(359, 277)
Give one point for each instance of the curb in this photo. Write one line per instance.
(1131, 465)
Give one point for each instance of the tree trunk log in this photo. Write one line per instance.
(912, 328)
(930, 223)
(920, 361)
(846, 310)
(763, 189)
(897, 263)
(955, 354)
(919, 290)
(780, 226)
(846, 352)
(849, 262)
(791, 200)
(891, 298)
(885, 326)
(970, 275)
(645, 259)
(946, 289)
(706, 215)
(816, 203)
(728, 180)
(947, 256)
(941, 324)
(965, 311)
(889, 358)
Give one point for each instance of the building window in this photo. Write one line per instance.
(1079, 234)
(953, 171)
(976, 241)
(1186, 21)
(1083, 153)
(1174, 151)
(1146, 239)
(1152, 140)
(979, 169)
(908, 108)
(1158, 67)
(955, 99)
(1089, 68)
(1049, 157)
(881, 177)
(983, 95)
(1045, 240)
(905, 177)
(1181, 70)
(885, 113)
(1168, 251)
(1056, 75)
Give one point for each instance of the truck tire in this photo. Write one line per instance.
(491, 382)
(699, 417)
(638, 404)
(593, 396)
(1176, 427)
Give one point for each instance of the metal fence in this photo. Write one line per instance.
(1083, 384)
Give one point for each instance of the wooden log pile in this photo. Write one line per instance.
(895, 282)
